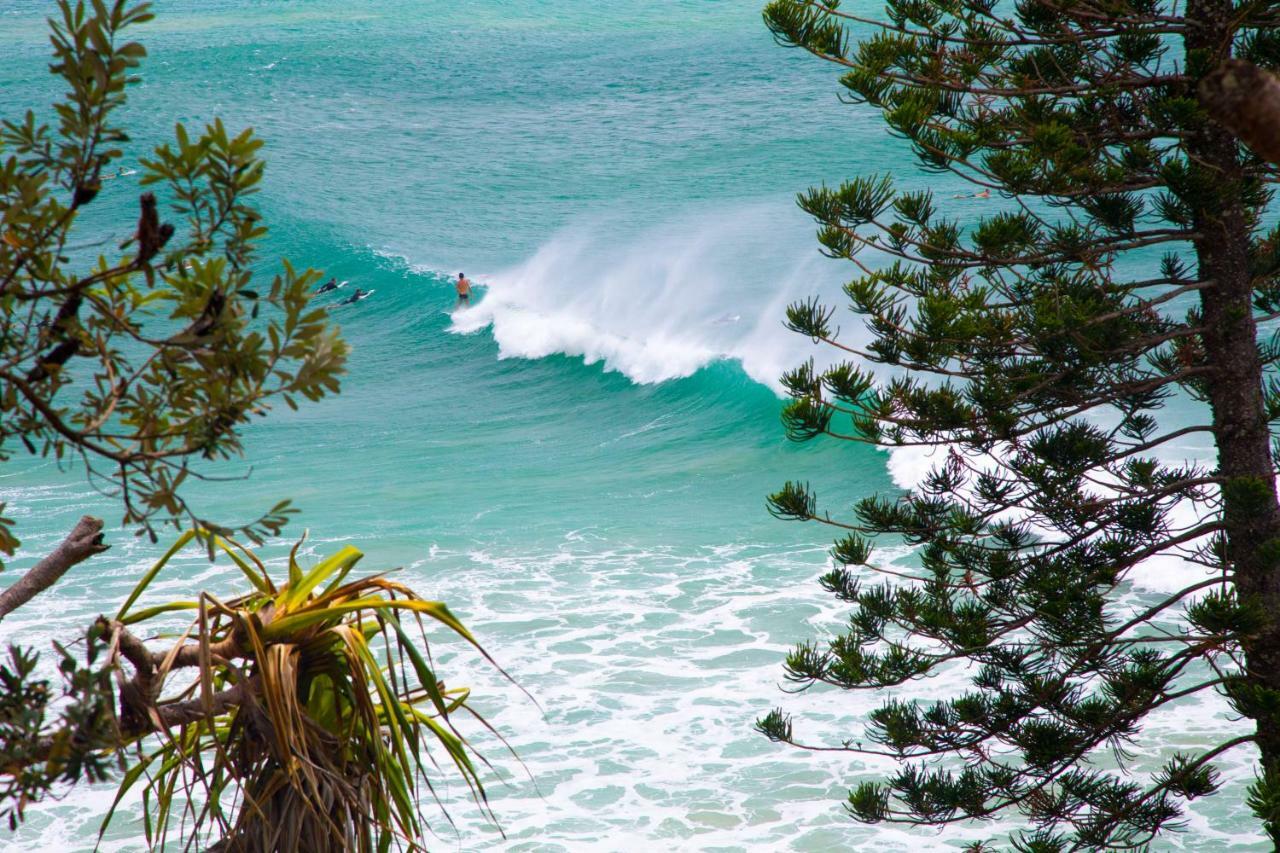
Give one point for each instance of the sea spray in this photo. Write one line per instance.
(662, 302)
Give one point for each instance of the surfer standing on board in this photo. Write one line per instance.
(464, 290)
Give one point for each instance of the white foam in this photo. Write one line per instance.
(1163, 573)
(663, 301)
(648, 666)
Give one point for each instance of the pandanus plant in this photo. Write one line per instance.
(313, 717)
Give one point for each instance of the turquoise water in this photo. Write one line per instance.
(577, 464)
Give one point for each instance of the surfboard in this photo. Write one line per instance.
(338, 286)
(361, 298)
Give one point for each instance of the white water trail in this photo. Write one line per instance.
(663, 301)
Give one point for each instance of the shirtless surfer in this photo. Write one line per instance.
(464, 290)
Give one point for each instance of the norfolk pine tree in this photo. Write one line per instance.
(1129, 262)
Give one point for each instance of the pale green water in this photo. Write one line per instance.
(621, 176)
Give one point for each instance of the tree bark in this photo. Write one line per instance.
(140, 722)
(181, 713)
(84, 540)
(140, 710)
(1245, 99)
(1250, 506)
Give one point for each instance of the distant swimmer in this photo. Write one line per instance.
(355, 297)
(331, 284)
(983, 194)
(463, 284)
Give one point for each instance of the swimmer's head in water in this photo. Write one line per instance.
(460, 275)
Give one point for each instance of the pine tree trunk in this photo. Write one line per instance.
(1241, 432)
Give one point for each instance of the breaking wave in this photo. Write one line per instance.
(664, 301)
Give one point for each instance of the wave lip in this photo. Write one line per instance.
(523, 332)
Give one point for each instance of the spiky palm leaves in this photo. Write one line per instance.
(312, 718)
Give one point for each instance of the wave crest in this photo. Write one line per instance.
(664, 301)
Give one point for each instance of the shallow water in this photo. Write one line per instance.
(578, 463)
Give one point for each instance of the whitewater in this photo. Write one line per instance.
(577, 463)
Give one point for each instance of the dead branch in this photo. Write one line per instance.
(84, 540)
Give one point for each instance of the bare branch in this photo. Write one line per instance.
(84, 540)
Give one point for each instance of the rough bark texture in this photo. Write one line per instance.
(181, 713)
(84, 540)
(1246, 100)
(140, 709)
(140, 721)
(1251, 511)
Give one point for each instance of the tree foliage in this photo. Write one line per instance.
(1127, 264)
(141, 358)
(134, 353)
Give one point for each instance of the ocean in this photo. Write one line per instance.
(578, 463)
